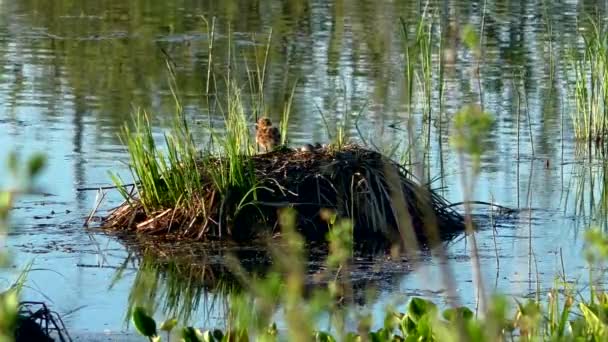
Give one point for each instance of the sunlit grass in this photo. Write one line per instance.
(171, 175)
(590, 84)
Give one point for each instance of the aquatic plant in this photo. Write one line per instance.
(590, 68)
(423, 77)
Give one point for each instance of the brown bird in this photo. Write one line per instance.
(266, 135)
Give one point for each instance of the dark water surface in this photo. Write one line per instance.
(72, 72)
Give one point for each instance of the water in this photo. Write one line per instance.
(72, 74)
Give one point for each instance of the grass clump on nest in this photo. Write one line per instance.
(352, 181)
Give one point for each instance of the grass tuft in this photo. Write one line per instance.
(590, 86)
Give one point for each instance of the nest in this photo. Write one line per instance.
(381, 197)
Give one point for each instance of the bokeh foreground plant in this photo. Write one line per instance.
(563, 315)
(23, 175)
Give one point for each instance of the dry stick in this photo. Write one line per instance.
(562, 145)
(108, 187)
(529, 200)
(561, 258)
(480, 202)
(537, 278)
(476, 267)
(440, 95)
(481, 55)
(211, 32)
(528, 118)
(518, 129)
(446, 272)
(495, 244)
(99, 198)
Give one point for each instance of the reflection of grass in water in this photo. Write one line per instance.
(590, 190)
(176, 287)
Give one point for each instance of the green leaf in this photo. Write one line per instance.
(12, 162)
(462, 312)
(322, 336)
(168, 325)
(190, 334)
(423, 327)
(352, 337)
(144, 324)
(470, 37)
(237, 335)
(36, 164)
(218, 334)
(272, 330)
(418, 307)
(592, 321)
(375, 337)
(207, 336)
(471, 129)
(407, 325)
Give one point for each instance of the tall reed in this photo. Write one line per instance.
(423, 76)
(590, 86)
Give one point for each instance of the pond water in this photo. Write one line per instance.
(73, 72)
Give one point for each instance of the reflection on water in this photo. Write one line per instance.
(72, 73)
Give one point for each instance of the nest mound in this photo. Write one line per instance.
(380, 196)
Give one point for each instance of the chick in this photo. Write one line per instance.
(267, 136)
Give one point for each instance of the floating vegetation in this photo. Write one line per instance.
(355, 182)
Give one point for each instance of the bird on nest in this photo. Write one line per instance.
(267, 136)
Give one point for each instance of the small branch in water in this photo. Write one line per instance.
(108, 187)
(102, 266)
(100, 197)
(482, 203)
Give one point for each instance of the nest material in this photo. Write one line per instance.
(379, 195)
